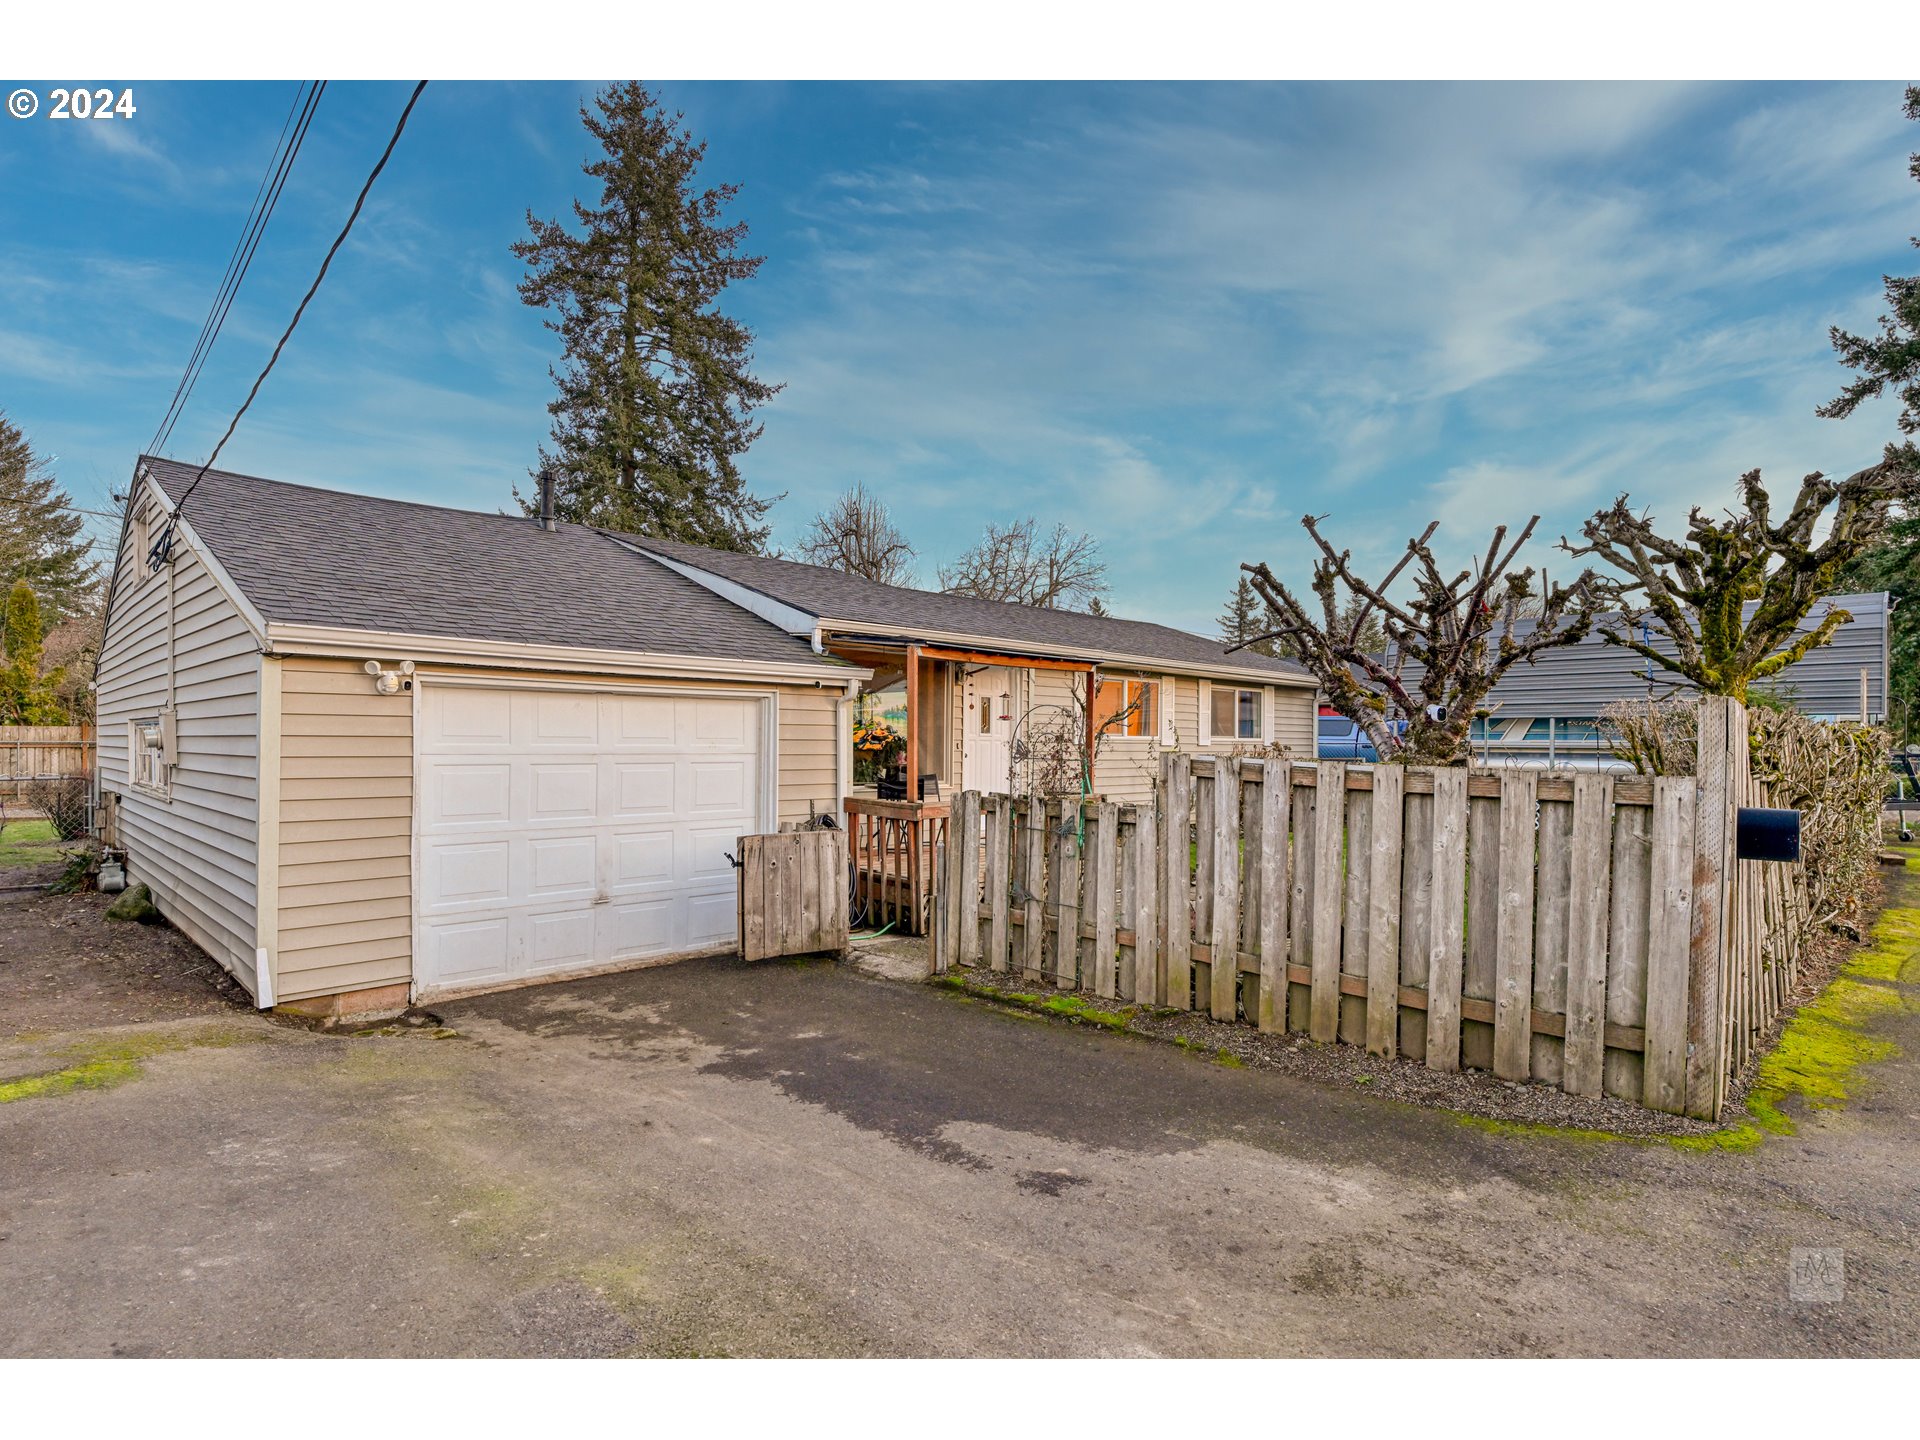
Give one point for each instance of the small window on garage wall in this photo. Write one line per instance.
(147, 758)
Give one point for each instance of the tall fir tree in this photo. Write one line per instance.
(1890, 358)
(1244, 618)
(657, 392)
(40, 540)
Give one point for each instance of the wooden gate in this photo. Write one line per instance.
(793, 893)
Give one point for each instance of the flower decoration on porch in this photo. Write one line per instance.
(880, 745)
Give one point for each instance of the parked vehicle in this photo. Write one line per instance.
(1342, 739)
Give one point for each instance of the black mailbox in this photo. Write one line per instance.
(1766, 835)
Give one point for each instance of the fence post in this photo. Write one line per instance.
(1715, 787)
(1225, 936)
(1176, 902)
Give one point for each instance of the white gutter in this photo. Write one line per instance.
(337, 641)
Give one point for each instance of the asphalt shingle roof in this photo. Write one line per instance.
(326, 557)
(838, 596)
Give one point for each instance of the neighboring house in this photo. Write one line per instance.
(566, 733)
(1548, 712)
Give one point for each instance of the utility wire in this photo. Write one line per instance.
(163, 546)
(265, 198)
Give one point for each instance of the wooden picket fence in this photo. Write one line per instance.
(1587, 931)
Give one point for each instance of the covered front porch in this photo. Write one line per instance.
(932, 721)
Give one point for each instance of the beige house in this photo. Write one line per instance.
(365, 752)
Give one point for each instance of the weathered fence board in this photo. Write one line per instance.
(1447, 923)
(1513, 943)
(1383, 912)
(1586, 931)
(792, 893)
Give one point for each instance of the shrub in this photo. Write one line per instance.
(62, 801)
(1834, 774)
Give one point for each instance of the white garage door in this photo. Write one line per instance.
(564, 831)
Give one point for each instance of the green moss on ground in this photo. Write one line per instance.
(1816, 1064)
(104, 1063)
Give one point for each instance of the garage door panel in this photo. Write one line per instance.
(718, 724)
(712, 919)
(469, 953)
(720, 787)
(562, 832)
(562, 866)
(557, 791)
(466, 875)
(565, 721)
(642, 858)
(707, 851)
(560, 940)
(642, 722)
(642, 789)
(467, 718)
(465, 794)
(638, 929)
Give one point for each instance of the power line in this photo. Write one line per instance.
(279, 166)
(157, 556)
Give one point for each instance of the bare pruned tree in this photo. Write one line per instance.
(1058, 571)
(1694, 591)
(1461, 633)
(856, 534)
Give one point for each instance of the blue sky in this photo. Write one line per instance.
(1176, 316)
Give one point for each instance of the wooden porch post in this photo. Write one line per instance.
(913, 722)
(1092, 676)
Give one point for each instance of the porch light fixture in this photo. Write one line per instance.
(390, 682)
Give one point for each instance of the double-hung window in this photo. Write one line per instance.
(1126, 707)
(1236, 714)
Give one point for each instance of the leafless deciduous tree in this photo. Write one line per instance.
(1460, 632)
(856, 534)
(1056, 571)
(1694, 591)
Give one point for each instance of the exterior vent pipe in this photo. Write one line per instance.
(547, 522)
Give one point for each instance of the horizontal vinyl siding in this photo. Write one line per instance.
(809, 740)
(346, 831)
(1129, 765)
(346, 812)
(197, 850)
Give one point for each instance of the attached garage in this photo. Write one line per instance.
(563, 831)
(366, 752)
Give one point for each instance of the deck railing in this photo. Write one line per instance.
(893, 844)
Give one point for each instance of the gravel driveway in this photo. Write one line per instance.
(799, 1159)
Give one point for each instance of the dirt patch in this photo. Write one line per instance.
(64, 966)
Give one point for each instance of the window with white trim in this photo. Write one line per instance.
(1123, 706)
(147, 755)
(1236, 714)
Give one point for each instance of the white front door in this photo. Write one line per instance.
(562, 831)
(988, 719)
